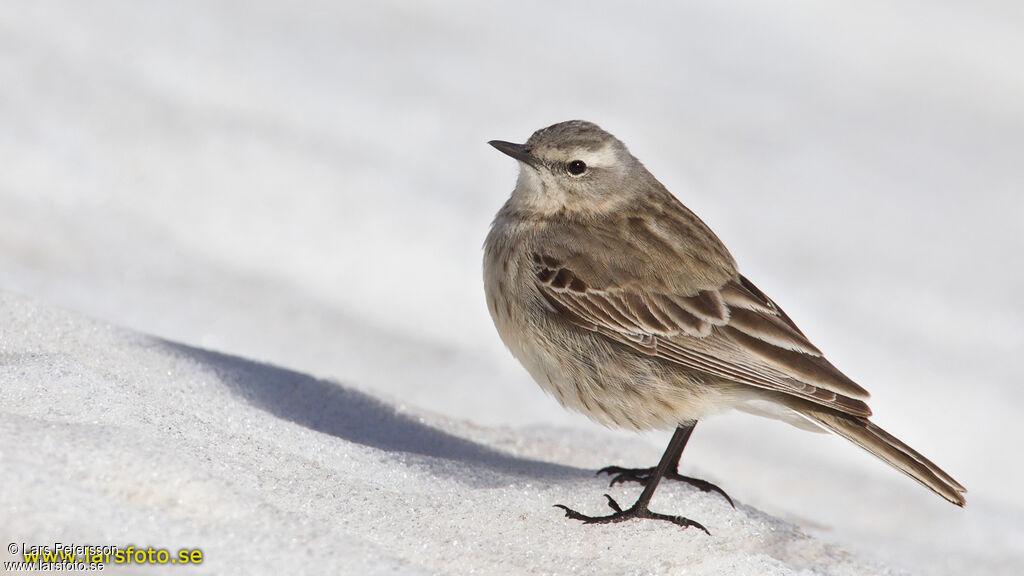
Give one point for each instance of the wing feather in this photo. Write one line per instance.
(733, 332)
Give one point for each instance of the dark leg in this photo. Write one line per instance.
(643, 475)
(639, 509)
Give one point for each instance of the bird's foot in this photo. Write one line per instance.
(637, 511)
(643, 475)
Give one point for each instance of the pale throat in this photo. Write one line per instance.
(540, 192)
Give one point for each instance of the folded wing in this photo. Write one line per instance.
(733, 331)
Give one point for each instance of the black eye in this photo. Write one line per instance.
(576, 167)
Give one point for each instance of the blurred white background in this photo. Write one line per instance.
(308, 183)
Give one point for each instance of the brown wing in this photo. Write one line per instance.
(732, 331)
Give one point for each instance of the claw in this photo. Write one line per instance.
(636, 512)
(613, 504)
(679, 521)
(570, 513)
(627, 477)
(703, 486)
(643, 475)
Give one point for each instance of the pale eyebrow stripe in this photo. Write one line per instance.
(600, 158)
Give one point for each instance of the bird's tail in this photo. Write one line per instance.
(887, 448)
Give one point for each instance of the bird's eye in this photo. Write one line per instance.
(576, 167)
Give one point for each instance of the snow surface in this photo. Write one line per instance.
(283, 206)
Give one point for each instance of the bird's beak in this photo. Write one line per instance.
(520, 152)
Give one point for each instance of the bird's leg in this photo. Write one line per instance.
(643, 475)
(640, 509)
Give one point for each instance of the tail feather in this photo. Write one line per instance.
(889, 449)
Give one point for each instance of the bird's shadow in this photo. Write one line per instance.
(333, 408)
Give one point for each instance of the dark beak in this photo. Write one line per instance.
(520, 152)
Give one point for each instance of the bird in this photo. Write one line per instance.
(625, 306)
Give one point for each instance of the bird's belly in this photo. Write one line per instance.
(609, 383)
